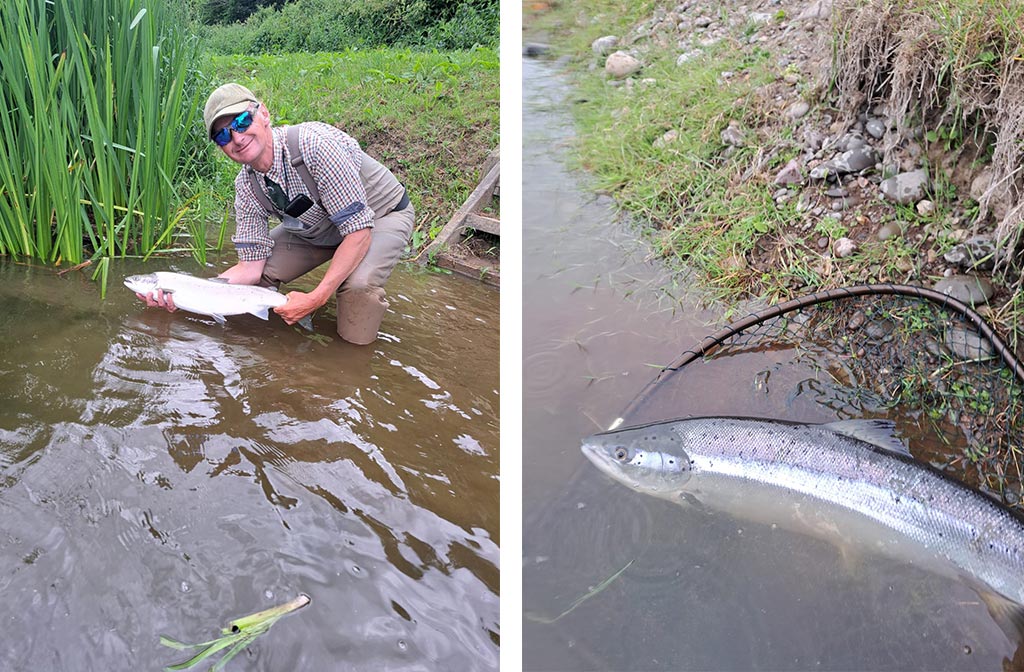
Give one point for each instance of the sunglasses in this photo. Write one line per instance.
(239, 124)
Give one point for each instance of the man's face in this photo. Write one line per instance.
(253, 146)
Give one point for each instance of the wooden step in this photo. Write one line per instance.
(450, 249)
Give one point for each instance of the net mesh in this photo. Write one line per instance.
(899, 352)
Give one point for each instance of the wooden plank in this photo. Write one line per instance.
(481, 223)
(478, 199)
(474, 268)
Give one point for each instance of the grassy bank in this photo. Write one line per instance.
(431, 117)
(947, 72)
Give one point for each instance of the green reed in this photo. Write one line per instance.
(98, 121)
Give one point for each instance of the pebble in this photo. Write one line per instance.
(968, 344)
(925, 208)
(732, 136)
(905, 188)
(668, 138)
(791, 173)
(967, 288)
(875, 128)
(889, 230)
(844, 247)
(798, 110)
(879, 330)
(603, 45)
(935, 348)
(854, 142)
(535, 49)
(620, 65)
(688, 56)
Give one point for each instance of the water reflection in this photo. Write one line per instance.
(160, 474)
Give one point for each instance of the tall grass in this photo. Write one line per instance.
(97, 114)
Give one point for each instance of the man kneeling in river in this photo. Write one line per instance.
(335, 204)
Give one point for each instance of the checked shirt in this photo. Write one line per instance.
(333, 158)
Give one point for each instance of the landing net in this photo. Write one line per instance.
(893, 350)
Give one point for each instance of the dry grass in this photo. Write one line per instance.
(953, 70)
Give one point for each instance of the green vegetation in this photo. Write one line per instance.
(950, 69)
(102, 149)
(94, 99)
(694, 192)
(328, 25)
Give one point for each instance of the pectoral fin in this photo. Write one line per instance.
(220, 319)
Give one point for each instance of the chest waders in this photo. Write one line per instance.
(303, 243)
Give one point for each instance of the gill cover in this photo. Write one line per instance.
(649, 458)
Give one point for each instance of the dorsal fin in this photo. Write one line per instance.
(878, 432)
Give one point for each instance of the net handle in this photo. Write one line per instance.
(708, 345)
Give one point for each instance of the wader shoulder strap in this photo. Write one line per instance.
(299, 164)
(257, 191)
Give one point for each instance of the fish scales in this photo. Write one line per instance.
(717, 460)
(915, 501)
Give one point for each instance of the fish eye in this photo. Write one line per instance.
(621, 453)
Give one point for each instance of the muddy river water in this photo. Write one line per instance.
(617, 580)
(161, 474)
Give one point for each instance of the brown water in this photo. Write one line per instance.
(161, 474)
(698, 589)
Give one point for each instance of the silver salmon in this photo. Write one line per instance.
(208, 297)
(764, 469)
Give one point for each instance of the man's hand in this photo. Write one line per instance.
(158, 299)
(300, 304)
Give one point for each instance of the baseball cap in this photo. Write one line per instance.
(229, 99)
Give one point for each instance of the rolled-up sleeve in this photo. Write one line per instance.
(335, 162)
(252, 225)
